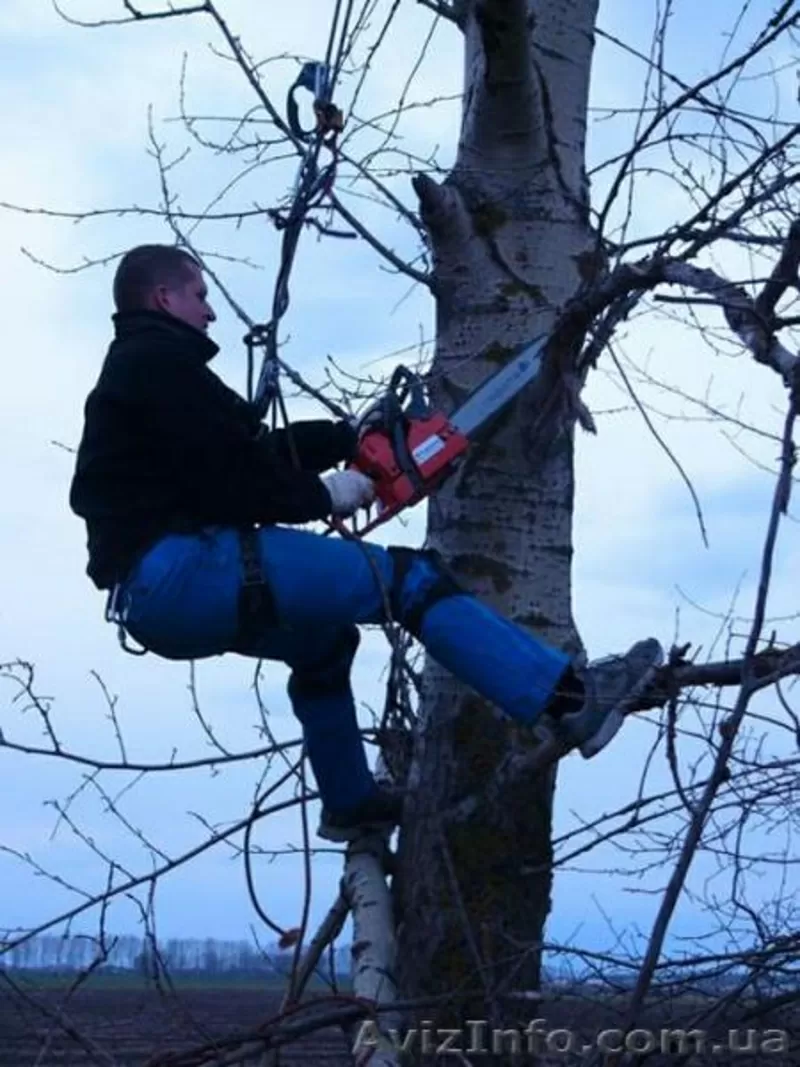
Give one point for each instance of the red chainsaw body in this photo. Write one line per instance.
(434, 445)
(408, 450)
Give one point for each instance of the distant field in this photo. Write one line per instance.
(135, 1025)
(119, 1014)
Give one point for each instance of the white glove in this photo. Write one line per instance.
(349, 491)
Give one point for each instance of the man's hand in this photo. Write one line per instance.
(349, 491)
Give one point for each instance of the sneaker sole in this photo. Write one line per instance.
(615, 718)
(345, 836)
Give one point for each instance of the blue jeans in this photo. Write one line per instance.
(181, 601)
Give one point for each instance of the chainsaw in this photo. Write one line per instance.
(409, 449)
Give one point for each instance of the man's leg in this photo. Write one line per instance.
(328, 581)
(181, 602)
(322, 700)
(528, 679)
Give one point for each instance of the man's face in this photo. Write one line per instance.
(188, 302)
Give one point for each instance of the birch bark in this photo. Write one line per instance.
(512, 242)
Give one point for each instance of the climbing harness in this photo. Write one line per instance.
(256, 602)
(116, 614)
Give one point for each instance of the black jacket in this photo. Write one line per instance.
(167, 446)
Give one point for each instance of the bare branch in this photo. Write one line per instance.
(103, 897)
(371, 239)
(624, 287)
(442, 210)
(732, 725)
(740, 312)
(784, 275)
(134, 15)
(663, 444)
(681, 100)
(452, 10)
(763, 666)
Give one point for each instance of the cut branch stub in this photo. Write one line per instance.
(441, 210)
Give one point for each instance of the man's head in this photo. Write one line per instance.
(163, 278)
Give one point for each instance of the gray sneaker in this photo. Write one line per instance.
(612, 685)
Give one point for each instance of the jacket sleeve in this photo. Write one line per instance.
(226, 474)
(320, 444)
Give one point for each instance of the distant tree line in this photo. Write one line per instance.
(129, 953)
(178, 955)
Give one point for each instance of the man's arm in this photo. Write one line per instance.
(225, 473)
(320, 443)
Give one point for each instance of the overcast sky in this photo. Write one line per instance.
(76, 139)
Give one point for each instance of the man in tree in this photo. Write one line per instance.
(189, 502)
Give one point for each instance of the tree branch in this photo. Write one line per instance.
(374, 946)
(370, 238)
(783, 276)
(750, 172)
(453, 11)
(761, 669)
(691, 93)
(618, 294)
(134, 15)
(152, 876)
(740, 312)
(763, 666)
(441, 210)
(732, 724)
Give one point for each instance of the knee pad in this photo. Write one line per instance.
(330, 674)
(420, 578)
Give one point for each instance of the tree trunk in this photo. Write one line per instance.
(512, 242)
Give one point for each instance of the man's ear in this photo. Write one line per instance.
(157, 298)
(161, 298)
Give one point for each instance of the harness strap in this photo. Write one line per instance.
(114, 615)
(256, 602)
(435, 582)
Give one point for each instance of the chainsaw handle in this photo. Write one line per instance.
(349, 527)
(405, 384)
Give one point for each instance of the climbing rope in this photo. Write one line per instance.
(312, 186)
